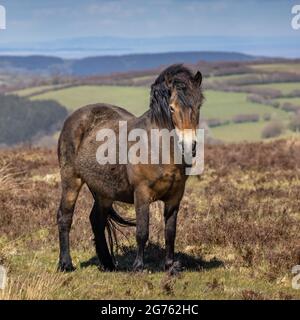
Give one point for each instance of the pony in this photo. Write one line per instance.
(175, 101)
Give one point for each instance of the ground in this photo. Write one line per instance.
(238, 231)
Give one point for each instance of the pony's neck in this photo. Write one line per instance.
(146, 121)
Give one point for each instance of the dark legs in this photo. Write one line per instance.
(142, 204)
(98, 219)
(142, 229)
(64, 220)
(170, 215)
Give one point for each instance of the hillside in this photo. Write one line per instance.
(135, 62)
(109, 64)
(235, 242)
(221, 105)
(248, 101)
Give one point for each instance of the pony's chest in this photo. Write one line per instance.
(169, 183)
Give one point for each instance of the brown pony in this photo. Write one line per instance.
(176, 98)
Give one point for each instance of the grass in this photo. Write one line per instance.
(277, 67)
(284, 87)
(250, 132)
(33, 276)
(239, 132)
(29, 91)
(223, 105)
(237, 231)
(134, 99)
(294, 101)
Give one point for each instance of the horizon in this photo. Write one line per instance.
(159, 26)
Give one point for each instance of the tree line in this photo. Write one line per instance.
(21, 120)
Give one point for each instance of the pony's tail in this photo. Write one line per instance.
(114, 222)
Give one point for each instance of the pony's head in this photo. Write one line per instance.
(176, 98)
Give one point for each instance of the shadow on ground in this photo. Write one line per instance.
(154, 260)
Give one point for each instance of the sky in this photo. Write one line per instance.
(36, 20)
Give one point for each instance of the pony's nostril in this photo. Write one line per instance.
(194, 145)
(194, 148)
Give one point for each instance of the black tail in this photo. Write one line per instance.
(114, 222)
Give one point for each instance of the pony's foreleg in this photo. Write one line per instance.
(170, 215)
(70, 191)
(142, 228)
(98, 219)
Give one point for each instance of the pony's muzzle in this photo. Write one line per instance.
(189, 149)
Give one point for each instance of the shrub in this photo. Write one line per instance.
(216, 122)
(290, 107)
(294, 124)
(272, 129)
(295, 93)
(240, 118)
(257, 98)
(267, 117)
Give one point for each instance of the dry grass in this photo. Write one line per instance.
(238, 230)
(33, 285)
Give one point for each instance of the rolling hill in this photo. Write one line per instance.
(101, 65)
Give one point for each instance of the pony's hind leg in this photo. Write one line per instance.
(99, 220)
(70, 190)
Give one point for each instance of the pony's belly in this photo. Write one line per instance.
(108, 181)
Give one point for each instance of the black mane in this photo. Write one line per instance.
(173, 71)
(176, 76)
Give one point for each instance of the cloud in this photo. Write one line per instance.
(118, 9)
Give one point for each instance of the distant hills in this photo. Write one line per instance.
(92, 46)
(102, 65)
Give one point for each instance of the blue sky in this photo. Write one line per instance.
(36, 20)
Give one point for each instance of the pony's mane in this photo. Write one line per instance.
(181, 78)
(173, 71)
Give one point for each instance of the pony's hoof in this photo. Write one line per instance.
(109, 268)
(174, 269)
(65, 267)
(138, 266)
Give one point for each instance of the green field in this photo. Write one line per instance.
(284, 87)
(294, 101)
(29, 91)
(278, 67)
(239, 132)
(135, 99)
(217, 104)
(225, 105)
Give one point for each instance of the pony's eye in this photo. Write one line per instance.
(172, 109)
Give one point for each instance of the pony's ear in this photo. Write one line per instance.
(168, 81)
(198, 78)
